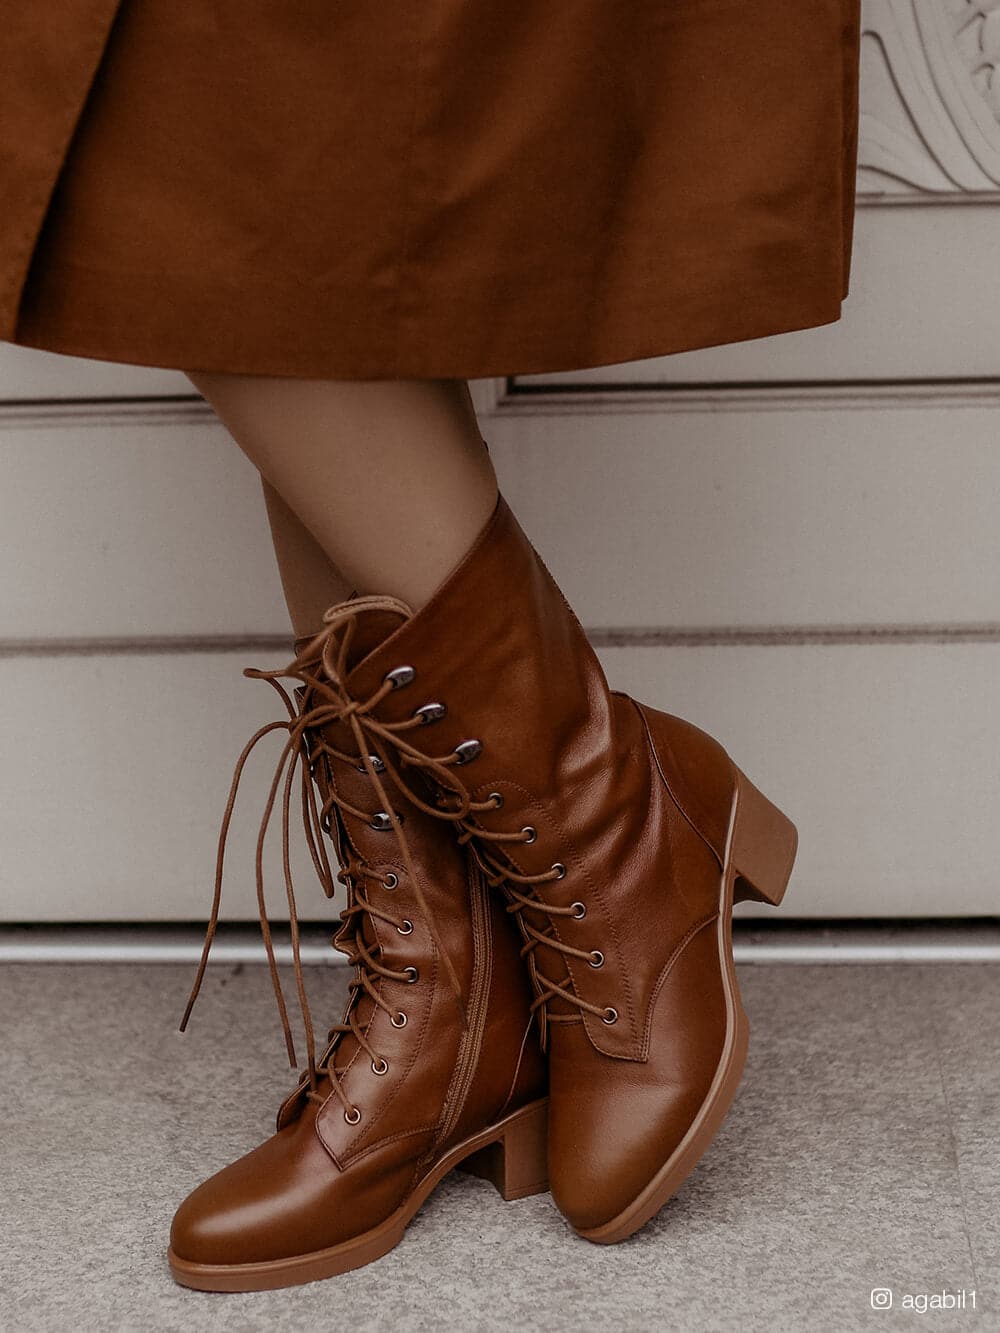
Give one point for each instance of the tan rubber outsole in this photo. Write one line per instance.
(752, 820)
(371, 1245)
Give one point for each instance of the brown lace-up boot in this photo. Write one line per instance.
(437, 1062)
(621, 836)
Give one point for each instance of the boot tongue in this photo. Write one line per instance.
(369, 630)
(550, 963)
(366, 633)
(363, 1007)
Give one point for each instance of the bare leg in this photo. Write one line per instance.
(310, 581)
(391, 477)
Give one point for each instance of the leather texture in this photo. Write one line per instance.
(321, 1180)
(624, 948)
(217, 186)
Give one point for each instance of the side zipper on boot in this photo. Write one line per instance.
(482, 977)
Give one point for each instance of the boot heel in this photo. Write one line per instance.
(517, 1162)
(764, 845)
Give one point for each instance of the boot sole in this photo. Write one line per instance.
(760, 850)
(511, 1154)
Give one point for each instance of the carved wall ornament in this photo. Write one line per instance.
(930, 100)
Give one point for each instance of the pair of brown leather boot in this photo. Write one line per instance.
(475, 771)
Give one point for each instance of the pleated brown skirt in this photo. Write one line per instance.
(351, 189)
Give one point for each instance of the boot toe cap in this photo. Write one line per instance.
(223, 1223)
(273, 1203)
(614, 1125)
(605, 1169)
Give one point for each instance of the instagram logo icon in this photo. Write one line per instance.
(881, 1298)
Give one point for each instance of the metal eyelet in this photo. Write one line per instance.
(467, 751)
(382, 822)
(353, 1117)
(400, 676)
(560, 870)
(579, 911)
(430, 713)
(380, 1066)
(412, 975)
(609, 1016)
(406, 928)
(390, 880)
(529, 833)
(497, 799)
(375, 762)
(596, 958)
(398, 1020)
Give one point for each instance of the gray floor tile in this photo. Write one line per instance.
(861, 1153)
(965, 1012)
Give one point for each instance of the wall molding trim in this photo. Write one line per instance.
(756, 941)
(91, 413)
(710, 636)
(511, 397)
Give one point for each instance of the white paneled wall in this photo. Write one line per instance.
(793, 542)
(135, 521)
(117, 770)
(132, 520)
(763, 555)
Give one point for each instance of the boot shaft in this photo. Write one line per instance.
(575, 789)
(449, 1062)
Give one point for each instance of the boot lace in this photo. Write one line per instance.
(386, 749)
(320, 667)
(502, 873)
